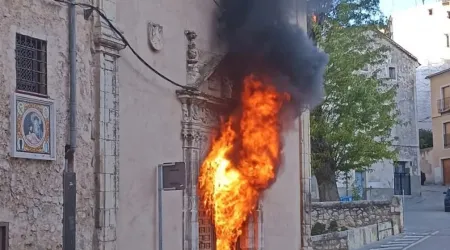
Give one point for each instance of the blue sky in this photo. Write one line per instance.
(389, 6)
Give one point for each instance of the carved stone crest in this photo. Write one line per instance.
(155, 36)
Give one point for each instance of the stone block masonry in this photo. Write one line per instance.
(355, 214)
(336, 240)
(352, 239)
(351, 225)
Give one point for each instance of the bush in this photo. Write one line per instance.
(333, 226)
(318, 229)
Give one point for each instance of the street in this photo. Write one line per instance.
(427, 226)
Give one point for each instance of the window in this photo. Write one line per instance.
(430, 12)
(446, 92)
(4, 236)
(447, 41)
(392, 73)
(31, 65)
(446, 134)
(445, 101)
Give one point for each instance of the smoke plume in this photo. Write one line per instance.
(264, 38)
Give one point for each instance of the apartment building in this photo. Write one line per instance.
(439, 159)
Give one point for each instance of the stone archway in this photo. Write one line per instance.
(200, 117)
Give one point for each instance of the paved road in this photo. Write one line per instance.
(427, 226)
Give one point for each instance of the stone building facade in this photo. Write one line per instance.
(31, 192)
(382, 180)
(130, 119)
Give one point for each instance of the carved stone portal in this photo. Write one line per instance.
(201, 114)
(200, 117)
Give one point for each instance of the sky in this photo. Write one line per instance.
(389, 6)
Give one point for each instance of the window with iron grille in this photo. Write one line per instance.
(31, 64)
(4, 236)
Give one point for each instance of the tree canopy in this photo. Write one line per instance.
(351, 129)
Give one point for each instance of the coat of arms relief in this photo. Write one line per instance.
(155, 36)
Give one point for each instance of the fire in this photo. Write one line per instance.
(242, 161)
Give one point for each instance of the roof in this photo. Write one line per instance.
(398, 46)
(438, 73)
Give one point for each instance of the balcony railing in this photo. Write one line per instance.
(446, 140)
(444, 104)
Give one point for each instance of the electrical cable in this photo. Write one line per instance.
(127, 44)
(217, 3)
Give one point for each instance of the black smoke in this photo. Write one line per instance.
(264, 38)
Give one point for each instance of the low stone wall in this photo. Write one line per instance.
(355, 214)
(351, 225)
(352, 239)
(336, 241)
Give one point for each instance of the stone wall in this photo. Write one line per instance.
(356, 214)
(31, 190)
(336, 241)
(353, 239)
(355, 223)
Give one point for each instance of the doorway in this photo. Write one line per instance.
(402, 179)
(446, 171)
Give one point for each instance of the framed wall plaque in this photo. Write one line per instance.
(33, 133)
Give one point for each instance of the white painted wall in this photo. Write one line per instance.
(150, 128)
(424, 36)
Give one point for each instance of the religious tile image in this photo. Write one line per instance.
(33, 128)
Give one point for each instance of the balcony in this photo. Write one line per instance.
(446, 140)
(444, 105)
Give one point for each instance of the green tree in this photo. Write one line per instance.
(425, 138)
(351, 128)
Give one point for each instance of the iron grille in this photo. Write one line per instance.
(444, 104)
(31, 64)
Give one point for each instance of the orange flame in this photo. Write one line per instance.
(242, 161)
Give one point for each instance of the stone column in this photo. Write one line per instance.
(106, 130)
(200, 116)
(305, 180)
